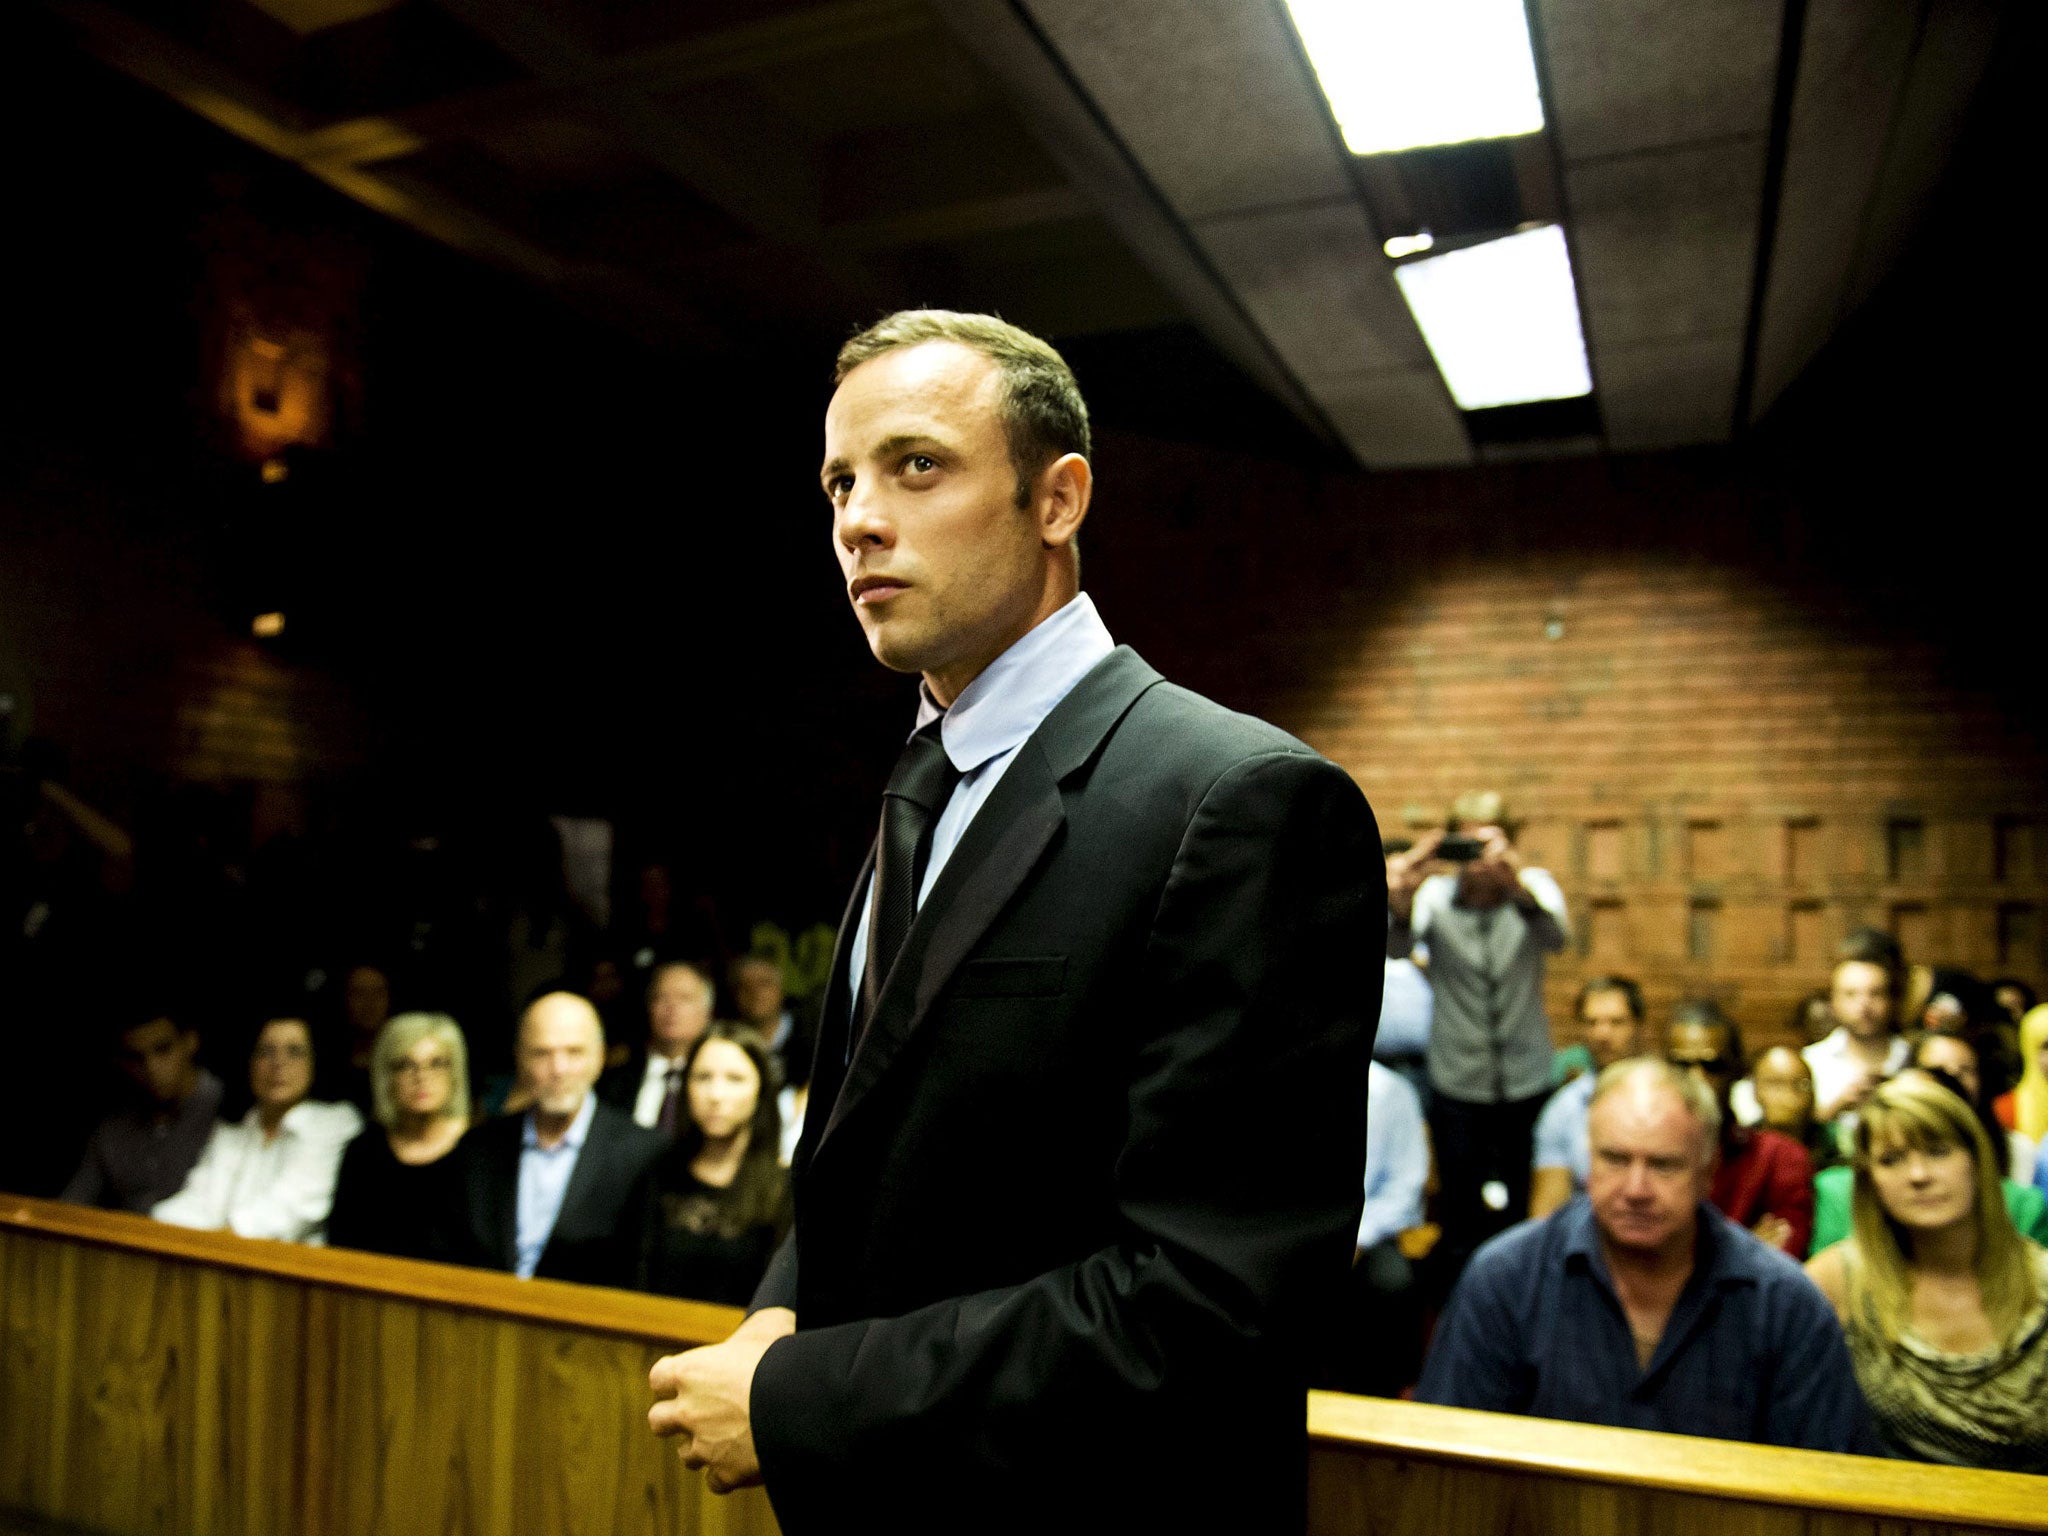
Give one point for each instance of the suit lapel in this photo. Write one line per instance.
(589, 1169)
(996, 854)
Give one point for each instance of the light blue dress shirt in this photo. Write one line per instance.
(1396, 1157)
(991, 719)
(1561, 1130)
(1406, 1004)
(544, 1174)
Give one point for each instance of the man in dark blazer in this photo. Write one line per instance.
(1083, 1165)
(562, 1190)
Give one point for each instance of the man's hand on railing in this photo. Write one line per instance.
(701, 1399)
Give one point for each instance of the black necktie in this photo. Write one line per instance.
(919, 787)
(670, 1119)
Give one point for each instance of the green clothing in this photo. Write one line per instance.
(1568, 1064)
(1831, 1206)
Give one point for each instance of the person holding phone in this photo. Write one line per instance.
(1489, 920)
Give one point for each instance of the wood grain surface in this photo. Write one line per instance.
(167, 1383)
(209, 1386)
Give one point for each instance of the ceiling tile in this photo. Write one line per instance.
(1668, 393)
(1210, 95)
(1628, 75)
(1398, 419)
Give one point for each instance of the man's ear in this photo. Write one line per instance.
(1064, 489)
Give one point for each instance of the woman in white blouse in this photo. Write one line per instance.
(272, 1173)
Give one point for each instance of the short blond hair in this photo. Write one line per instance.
(1697, 1097)
(400, 1034)
(1043, 414)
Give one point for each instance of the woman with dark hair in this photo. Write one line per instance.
(722, 1201)
(271, 1173)
(1944, 1303)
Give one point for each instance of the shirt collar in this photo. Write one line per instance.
(1015, 692)
(293, 1121)
(572, 1141)
(1715, 1260)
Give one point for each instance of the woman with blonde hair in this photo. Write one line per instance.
(2025, 1108)
(1944, 1303)
(394, 1181)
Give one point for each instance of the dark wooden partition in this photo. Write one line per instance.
(155, 1380)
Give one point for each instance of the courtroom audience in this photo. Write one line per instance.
(1944, 1303)
(2016, 997)
(1610, 1010)
(1865, 1046)
(271, 1173)
(1639, 1304)
(142, 1152)
(648, 1085)
(1763, 1179)
(396, 1178)
(1490, 921)
(559, 1190)
(1378, 1337)
(722, 1200)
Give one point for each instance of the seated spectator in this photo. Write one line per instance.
(1781, 1085)
(1945, 1305)
(1961, 1058)
(396, 1178)
(1378, 1340)
(649, 1086)
(2025, 1107)
(1640, 1305)
(1763, 1180)
(1490, 920)
(760, 1000)
(1865, 1046)
(142, 1153)
(1402, 1041)
(272, 1173)
(561, 1190)
(721, 1204)
(2026, 1205)
(1610, 1010)
(365, 1005)
(1814, 1018)
(2016, 997)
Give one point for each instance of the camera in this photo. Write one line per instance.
(1459, 850)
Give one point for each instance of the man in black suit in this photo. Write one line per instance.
(1084, 1159)
(562, 1190)
(648, 1084)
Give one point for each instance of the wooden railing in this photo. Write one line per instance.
(164, 1381)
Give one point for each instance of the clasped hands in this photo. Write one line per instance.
(701, 1398)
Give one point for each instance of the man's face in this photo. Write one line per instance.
(1945, 1053)
(366, 998)
(1861, 998)
(2013, 1001)
(1703, 1049)
(943, 568)
(757, 991)
(1784, 1090)
(1650, 1167)
(678, 1008)
(159, 1057)
(1610, 1028)
(561, 1051)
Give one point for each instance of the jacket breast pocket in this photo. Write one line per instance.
(1030, 976)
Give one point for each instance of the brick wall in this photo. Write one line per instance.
(1729, 741)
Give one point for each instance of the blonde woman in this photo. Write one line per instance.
(1945, 1305)
(394, 1181)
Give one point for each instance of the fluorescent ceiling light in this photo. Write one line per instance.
(1404, 73)
(1502, 319)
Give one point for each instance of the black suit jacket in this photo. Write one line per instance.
(1071, 1222)
(595, 1238)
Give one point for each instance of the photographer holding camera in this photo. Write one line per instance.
(1487, 920)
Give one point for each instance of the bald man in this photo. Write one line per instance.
(561, 1190)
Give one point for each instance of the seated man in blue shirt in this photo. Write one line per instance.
(1377, 1344)
(1639, 1305)
(1610, 1010)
